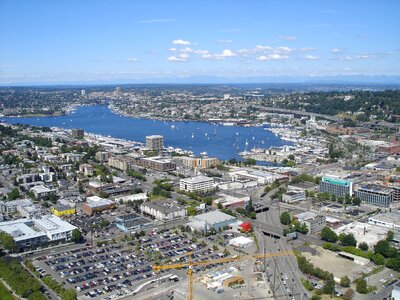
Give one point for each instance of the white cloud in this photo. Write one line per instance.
(283, 50)
(181, 57)
(364, 56)
(157, 21)
(287, 37)
(307, 49)
(346, 58)
(228, 53)
(181, 42)
(172, 49)
(272, 56)
(336, 50)
(224, 41)
(131, 59)
(263, 48)
(311, 57)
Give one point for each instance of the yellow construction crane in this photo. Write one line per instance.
(190, 264)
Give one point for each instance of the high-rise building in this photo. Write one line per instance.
(78, 133)
(155, 142)
(337, 187)
(83, 93)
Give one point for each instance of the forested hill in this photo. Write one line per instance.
(385, 105)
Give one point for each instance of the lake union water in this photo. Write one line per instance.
(223, 142)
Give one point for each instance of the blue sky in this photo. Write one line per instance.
(89, 41)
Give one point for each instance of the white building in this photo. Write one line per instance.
(163, 210)
(388, 220)
(133, 198)
(293, 196)
(261, 177)
(241, 242)
(200, 184)
(40, 191)
(30, 234)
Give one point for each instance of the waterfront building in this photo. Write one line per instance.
(336, 186)
(199, 162)
(375, 195)
(155, 142)
(201, 184)
(157, 163)
(78, 133)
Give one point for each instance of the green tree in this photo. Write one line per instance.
(328, 235)
(378, 259)
(7, 241)
(316, 297)
(329, 287)
(363, 246)
(393, 263)
(76, 235)
(356, 201)
(361, 286)
(383, 247)
(69, 294)
(14, 194)
(389, 236)
(347, 239)
(191, 211)
(345, 281)
(285, 218)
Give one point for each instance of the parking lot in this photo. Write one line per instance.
(111, 270)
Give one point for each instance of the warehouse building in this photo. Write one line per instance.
(132, 222)
(211, 220)
(388, 220)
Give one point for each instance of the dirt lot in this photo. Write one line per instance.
(329, 261)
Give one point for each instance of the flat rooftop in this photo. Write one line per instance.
(197, 179)
(389, 217)
(214, 217)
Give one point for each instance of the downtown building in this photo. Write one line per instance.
(335, 186)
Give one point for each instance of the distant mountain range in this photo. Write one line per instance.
(353, 80)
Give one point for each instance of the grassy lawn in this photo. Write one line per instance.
(156, 197)
(5, 293)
